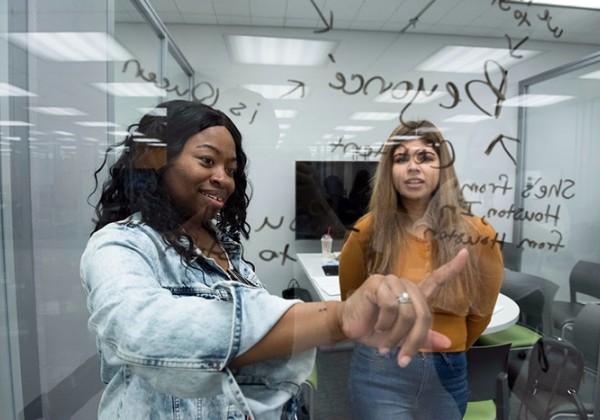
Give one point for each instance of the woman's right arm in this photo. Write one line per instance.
(371, 315)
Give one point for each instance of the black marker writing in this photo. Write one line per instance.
(513, 49)
(500, 139)
(521, 214)
(328, 25)
(481, 188)
(543, 191)
(300, 85)
(199, 89)
(266, 222)
(547, 18)
(407, 89)
(269, 255)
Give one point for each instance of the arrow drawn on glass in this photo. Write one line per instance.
(500, 139)
(413, 21)
(329, 25)
(299, 86)
(511, 49)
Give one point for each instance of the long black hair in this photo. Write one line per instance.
(136, 183)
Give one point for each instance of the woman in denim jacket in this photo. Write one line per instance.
(184, 327)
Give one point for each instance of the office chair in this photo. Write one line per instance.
(585, 279)
(586, 337)
(534, 295)
(488, 382)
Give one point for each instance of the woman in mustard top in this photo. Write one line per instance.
(417, 221)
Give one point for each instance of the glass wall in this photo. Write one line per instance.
(75, 74)
(69, 87)
(559, 176)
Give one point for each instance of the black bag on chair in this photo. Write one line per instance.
(294, 291)
(556, 367)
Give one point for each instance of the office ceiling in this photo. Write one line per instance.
(476, 18)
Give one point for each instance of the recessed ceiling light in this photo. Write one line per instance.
(6, 89)
(278, 51)
(467, 118)
(103, 124)
(277, 91)
(578, 4)
(57, 111)
(353, 128)
(284, 126)
(8, 123)
(71, 46)
(286, 113)
(460, 59)
(592, 75)
(131, 89)
(530, 100)
(374, 116)
(405, 96)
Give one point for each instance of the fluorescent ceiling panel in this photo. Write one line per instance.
(71, 46)
(103, 124)
(580, 4)
(286, 113)
(57, 111)
(404, 96)
(277, 91)
(9, 123)
(464, 118)
(284, 126)
(6, 89)
(336, 136)
(131, 89)
(278, 51)
(353, 128)
(530, 100)
(592, 75)
(460, 59)
(374, 116)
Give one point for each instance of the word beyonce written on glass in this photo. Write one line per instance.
(406, 90)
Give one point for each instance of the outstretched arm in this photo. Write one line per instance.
(371, 315)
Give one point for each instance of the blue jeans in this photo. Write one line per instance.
(433, 386)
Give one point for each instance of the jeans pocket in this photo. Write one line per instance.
(455, 362)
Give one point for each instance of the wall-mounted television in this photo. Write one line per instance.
(331, 196)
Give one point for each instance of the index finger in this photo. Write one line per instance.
(445, 273)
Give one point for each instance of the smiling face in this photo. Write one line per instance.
(415, 171)
(200, 177)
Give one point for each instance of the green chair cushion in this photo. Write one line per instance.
(517, 335)
(480, 410)
(313, 378)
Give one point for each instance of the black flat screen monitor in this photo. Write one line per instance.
(331, 196)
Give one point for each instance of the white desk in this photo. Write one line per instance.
(505, 313)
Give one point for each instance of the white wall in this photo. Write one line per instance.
(392, 57)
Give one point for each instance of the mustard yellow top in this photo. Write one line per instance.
(463, 330)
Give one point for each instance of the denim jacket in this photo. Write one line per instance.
(166, 332)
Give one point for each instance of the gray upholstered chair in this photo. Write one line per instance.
(584, 279)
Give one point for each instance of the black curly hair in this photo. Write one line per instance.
(136, 183)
